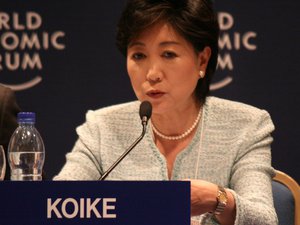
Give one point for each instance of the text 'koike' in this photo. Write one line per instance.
(81, 208)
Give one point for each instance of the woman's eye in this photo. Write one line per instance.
(138, 56)
(169, 55)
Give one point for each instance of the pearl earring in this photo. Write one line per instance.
(201, 74)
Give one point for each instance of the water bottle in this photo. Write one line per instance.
(26, 151)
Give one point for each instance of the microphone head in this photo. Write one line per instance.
(145, 110)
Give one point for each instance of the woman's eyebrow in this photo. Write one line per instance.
(169, 43)
(136, 43)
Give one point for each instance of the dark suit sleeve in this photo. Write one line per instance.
(8, 115)
(8, 118)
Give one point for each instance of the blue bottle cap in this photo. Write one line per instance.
(26, 117)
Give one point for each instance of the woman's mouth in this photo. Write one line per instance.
(155, 93)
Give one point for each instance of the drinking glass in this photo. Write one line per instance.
(2, 163)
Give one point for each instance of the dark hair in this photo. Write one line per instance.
(194, 20)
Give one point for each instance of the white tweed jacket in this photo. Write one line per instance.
(231, 148)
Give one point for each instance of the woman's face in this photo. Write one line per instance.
(164, 68)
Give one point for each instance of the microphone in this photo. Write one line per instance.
(145, 114)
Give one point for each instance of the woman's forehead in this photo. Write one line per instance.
(161, 30)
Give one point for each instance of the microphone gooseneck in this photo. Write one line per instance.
(145, 114)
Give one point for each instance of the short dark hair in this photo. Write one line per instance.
(195, 20)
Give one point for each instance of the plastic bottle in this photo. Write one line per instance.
(26, 151)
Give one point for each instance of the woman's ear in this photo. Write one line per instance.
(203, 58)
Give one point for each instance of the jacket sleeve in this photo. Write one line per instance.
(251, 176)
(8, 115)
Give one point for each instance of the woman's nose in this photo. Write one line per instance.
(154, 75)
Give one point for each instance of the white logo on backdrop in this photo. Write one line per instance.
(230, 40)
(21, 41)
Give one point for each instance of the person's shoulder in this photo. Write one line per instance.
(115, 111)
(3, 87)
(120, 108)
(219, 107)
(236, 118)
(4, 91)
(8, 100)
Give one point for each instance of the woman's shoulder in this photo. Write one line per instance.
(117, 111)
(232, 110)
(236, 119)
(126, 107)
(215, 103)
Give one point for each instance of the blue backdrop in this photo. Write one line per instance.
(61, 59)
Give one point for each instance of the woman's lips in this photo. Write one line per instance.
(155, 94)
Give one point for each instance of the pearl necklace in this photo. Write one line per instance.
(181, 136)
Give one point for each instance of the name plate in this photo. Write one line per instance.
(95, 202)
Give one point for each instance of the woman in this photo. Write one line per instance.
(223, 147)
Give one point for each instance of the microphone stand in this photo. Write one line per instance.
(144, 123)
